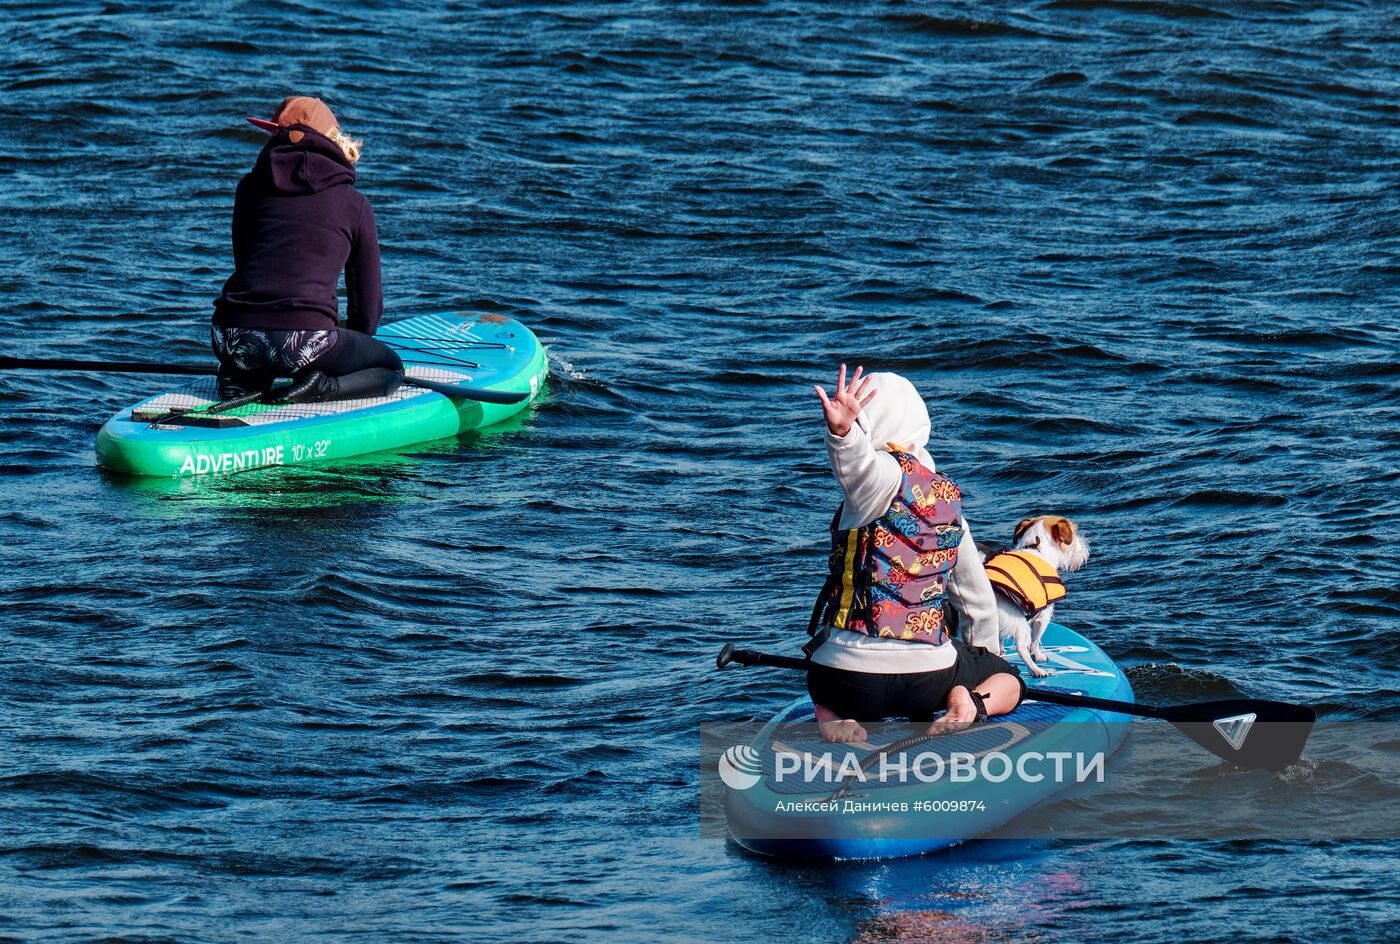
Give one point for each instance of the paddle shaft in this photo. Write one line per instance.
(116, 367)
(1059, 697)
(468, 393)
(1225, 728)
(196, 370)
(753, 657)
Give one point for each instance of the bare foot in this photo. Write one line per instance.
(842, 732)
(962, 711)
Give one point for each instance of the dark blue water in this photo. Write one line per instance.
(1140, 257)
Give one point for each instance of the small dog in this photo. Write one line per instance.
(1026, 591)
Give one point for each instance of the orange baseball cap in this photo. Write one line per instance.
(299, 110)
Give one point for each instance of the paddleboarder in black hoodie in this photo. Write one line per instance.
(297, 222)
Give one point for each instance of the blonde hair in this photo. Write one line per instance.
(348, 145)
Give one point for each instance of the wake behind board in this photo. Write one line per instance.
(485, 351)
(769, 817)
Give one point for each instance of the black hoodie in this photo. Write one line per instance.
(297, 221)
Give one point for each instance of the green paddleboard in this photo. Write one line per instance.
(487, 351)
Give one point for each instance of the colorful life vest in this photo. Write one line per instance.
(1027, 579)
(890, 577)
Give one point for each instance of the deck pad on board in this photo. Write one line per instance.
(204, 393)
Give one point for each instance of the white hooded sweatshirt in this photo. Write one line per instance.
(869, 478)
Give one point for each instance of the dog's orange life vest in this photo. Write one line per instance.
(1027, 579)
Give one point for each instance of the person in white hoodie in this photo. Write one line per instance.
(902, 556)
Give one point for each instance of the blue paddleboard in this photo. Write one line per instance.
(794, 816)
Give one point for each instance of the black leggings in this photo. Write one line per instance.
(871, 696)
(354, 351)
(251, 358)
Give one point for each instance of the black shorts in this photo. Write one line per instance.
(918, 696)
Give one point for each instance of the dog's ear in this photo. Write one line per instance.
(1021, 528)
(1062, 530)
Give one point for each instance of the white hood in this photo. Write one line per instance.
(868, 475)
(897, 415)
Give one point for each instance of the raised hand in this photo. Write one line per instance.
(844, 406)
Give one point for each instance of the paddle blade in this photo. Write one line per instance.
(732, 656)
(1262, 735)
(467, 393)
